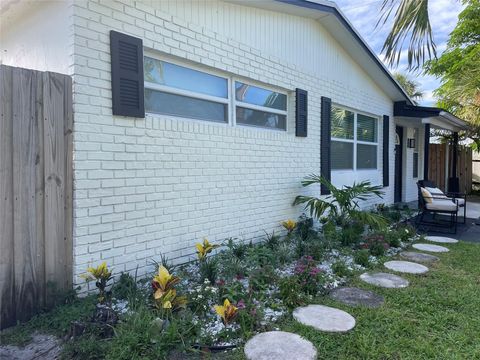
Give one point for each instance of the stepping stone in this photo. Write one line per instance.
(385, 280)
(430, 247)
(441, 239)
(324, 318)
(279, 345)
(419, 257)
(406, 267)
(357, 297)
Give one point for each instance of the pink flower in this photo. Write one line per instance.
(241, 304)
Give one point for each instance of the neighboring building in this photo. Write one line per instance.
(240, 97)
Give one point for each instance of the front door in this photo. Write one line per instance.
(398, 163)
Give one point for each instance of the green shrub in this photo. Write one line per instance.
(376, 244)
(260, 256)
(341, 269)
(291, 292)
(208, 269)
(271, 240)
(125, 287)
(261, 279)
(361, 257)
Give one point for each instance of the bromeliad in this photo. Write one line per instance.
(227, 311)
(204, 249)
(289, 225)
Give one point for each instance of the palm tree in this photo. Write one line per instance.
(410, 21)
(410, 86)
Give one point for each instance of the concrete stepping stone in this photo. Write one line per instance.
(279, 345)
(419, 257)
(406, 267)
(324, 318)
(441, 239)
(430, 248)
(385, 280)
(357, 297)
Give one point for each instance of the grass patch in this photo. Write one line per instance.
(436, 317)
(55, 322)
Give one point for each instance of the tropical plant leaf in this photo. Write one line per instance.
(410, 23)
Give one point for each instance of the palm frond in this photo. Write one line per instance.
(316, 207)
(411, 22)
(374, 220)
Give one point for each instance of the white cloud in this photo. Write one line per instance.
(443, 18)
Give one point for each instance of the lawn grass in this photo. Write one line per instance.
(436, 317)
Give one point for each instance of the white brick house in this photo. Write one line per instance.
(194, 165)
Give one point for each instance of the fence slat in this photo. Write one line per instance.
(68, 131)
(54, 150)
(40, 188)
(7, 280)
(24, 157)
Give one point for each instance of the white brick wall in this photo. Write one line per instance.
(159, 184)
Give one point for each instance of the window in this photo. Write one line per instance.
(256, 106)
(172, 89)
(354, 142)
(178, 90)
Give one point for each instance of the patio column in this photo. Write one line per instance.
(453, 181)
(426, 151)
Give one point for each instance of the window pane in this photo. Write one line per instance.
(342, 123)
(366, 128)
(184, 106)
(259, 96)
(366, 156)
(341, 155)
(179, 77)
(261, 119)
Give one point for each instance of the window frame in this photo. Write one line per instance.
(355, 141)
(230, 100)
(246, 105)
(196, 95)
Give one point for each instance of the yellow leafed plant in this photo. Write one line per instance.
(101, 274)
(289, 225)
(227, 311)
(165, 294)
(203, 249)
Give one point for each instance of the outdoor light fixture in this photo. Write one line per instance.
(411, 143)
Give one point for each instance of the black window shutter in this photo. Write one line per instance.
(301, 112)
(326, 129)
(127, 75)
(386, 150)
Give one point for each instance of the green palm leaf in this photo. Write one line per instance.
(410, 22)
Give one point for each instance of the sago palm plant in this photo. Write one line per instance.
(342, 205)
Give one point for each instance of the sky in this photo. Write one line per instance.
(364, 14)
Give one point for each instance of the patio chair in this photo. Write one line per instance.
(430, 204)
(459, 198)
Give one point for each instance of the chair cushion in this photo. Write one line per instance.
(460, 201)
(436, 192)
(441, 204)
(426, 195)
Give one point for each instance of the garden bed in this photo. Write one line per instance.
(233, 289)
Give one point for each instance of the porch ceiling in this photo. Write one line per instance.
(436, 117)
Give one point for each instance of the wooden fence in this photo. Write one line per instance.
(440, 166)
(35, 190)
